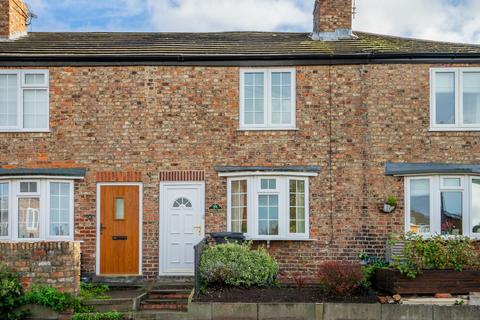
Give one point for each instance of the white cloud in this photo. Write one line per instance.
(428, 19)
(228, 15)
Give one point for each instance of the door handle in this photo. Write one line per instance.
(199, 229)
(102, 227)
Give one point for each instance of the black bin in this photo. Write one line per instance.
(224, 237)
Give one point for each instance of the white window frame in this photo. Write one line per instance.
(459, 124)
(43, 193)
(9, 230)
(283, 192)
(436, 188)
(21, 86)
(267, 117)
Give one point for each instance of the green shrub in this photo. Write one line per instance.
(94, 291)
(436, 253)
(11, 292)
(237, 265)
(112, 315)
(370, 265)
(54, 299)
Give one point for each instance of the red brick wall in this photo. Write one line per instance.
(330, 15)
(55, 264)
(154, 119)
(13, 15)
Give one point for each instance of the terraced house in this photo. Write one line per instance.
(121, 151)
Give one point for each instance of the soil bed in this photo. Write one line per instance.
(284, 295)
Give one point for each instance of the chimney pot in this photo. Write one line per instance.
(14, 15)
(332, 19)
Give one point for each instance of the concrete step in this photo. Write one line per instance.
(160, 315)
(169, 294)
(165, 304)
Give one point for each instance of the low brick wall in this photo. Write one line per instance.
(56, 264)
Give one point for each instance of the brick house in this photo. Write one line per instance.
(124, 143)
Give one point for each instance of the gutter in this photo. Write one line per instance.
(238, 60)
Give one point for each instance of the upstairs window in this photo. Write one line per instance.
(24, 102)
(455, 99)
(267, 99)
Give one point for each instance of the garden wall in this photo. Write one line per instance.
(56, 264)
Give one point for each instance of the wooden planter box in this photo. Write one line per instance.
(429, 282)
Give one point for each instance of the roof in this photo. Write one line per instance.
(400, 169)
(50, 172)
(234, 46)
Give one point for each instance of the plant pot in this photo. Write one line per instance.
(428, 282)
(388, 208)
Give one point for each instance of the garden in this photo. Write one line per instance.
(238, 272)
(17, 303)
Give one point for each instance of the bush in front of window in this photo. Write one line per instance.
(11, 292)
(340, 279)
(237, 265)
(436, 253)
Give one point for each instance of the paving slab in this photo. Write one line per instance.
(234, 311)
(286, 311)
(407, 312)
(351, 311)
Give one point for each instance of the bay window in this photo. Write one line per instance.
(268, 207)
(36, 210)
(445, 205)
(455, 99)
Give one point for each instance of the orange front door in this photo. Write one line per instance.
(119, 236)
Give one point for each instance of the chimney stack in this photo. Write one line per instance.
(332, 19)
(14, 16)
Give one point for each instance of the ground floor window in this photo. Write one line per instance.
(446, 205)
(269, 207)
(36, 209)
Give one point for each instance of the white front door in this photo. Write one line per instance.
(182, 213)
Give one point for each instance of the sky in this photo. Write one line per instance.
(445, 20)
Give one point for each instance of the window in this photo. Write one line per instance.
(443, 205)
(182, 203)
(41, 209)
(269, 207)
(239, 205)
(455, 99)
(4, 212)
(24, 102)
(267, 99)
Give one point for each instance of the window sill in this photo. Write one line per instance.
(456, 129)
(268, 129)
(280, 239)
(26, 131)
(37, 240)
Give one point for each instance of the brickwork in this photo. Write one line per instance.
(56, 264)
(351, 120)
(119, 176)
(13, 17)
(182, 175)
(330, 15)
